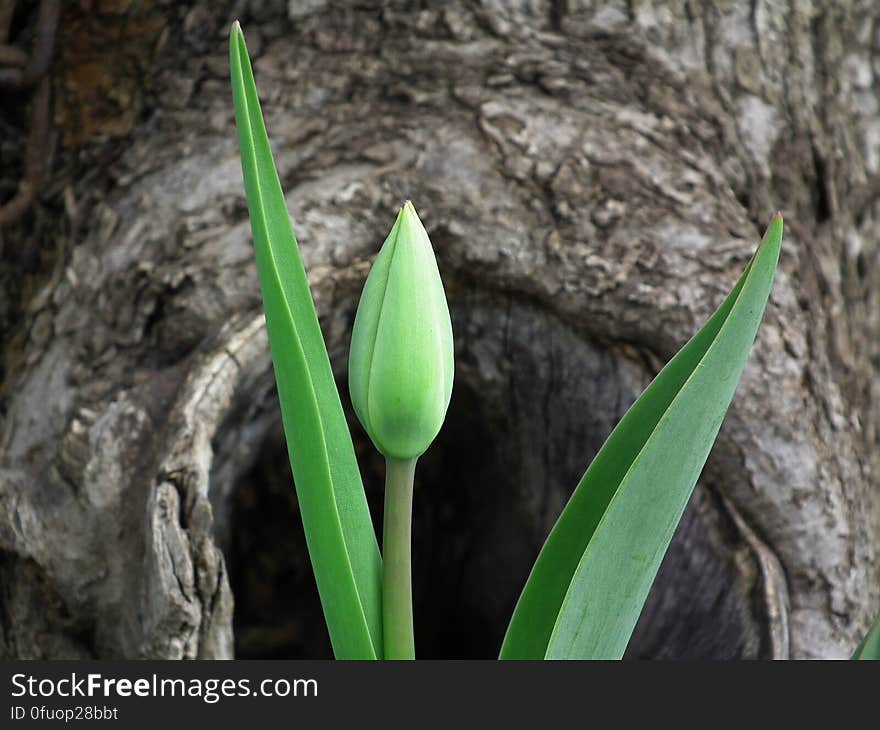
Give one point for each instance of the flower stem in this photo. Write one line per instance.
(397, 613)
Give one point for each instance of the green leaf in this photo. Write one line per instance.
(870, 646)
(339, 532)
(590, 581)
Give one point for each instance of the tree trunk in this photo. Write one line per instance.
(594, 176)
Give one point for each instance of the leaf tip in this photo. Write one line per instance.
(774, 230)
(236, 35)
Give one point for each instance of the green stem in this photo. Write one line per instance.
(397, 614)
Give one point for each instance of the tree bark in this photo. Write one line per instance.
(594, 177)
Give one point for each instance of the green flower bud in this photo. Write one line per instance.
(401, 362)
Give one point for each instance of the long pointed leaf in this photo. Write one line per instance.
(341, 541)
(589, 583)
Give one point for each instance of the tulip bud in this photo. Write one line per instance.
(401, 362)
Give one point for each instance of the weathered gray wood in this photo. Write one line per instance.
(594, 176)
